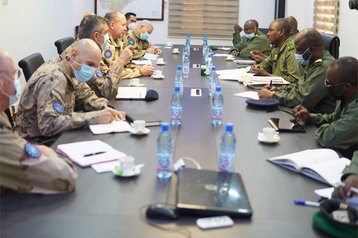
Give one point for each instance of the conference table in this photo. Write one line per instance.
(105, 205)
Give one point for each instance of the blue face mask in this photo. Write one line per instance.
(15, 97)
(84, 74)
(105, 41)
(144, 36)
(249, 36)
(301, 60)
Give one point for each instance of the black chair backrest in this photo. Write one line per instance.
(30, 64)
(63, 43)
(331, 43)
(264, 30)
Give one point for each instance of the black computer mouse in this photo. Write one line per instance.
(162, 211)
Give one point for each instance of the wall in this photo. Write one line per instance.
(347, 17)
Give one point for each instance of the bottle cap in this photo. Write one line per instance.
(218, 88)
(213, 68)
(186, 55)
(229, 127)
(177, 89)
(180, 67)
(164, 126)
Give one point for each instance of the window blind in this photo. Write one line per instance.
(198, 17)
(325, 16)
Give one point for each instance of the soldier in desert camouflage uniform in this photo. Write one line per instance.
(116, 21)
(138, 38)
(48, 104)
(25, 167)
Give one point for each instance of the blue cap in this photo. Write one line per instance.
(180, 67)
(229, 127)
(218, 88)
(164, 126)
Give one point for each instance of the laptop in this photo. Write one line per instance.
(211, 193)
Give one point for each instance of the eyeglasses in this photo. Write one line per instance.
(328, 85)
(17, 73)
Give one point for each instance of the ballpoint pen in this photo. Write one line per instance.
(95, 153)
(306, 203)
(271, 84)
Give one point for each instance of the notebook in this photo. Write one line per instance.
(285, 125)
(149, 118)
(131, 93)
(210, 193)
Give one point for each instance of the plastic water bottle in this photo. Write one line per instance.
(217, 107)
(164, 153)
(208, 64)
(213, 81)
(205, 46)
(176, 107)
(179, 79)
(186, 49)
(227, 155)
(186, 65)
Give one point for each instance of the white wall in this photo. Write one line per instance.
(347, 18)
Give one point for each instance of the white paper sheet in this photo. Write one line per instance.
(248, 94)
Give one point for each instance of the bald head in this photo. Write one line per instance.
(7, 72)
(293, 25)
(5, 60)
(347, 70)
(86, 51)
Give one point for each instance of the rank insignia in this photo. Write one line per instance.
(130, 41)
(58, 107)
(108, 54)
(99, 73)
(32, 151)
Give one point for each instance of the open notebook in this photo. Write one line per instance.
(323, 165)
(86, 153)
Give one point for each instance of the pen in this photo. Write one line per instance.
(353, 189)
(271, 83)
(96, 153)
(306, 203)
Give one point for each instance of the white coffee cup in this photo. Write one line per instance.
(160, 61)
(269, 133)
(157, 73)
(127, 164)
(139, 125)
(135, 81)
(175, 50)
(230, 57)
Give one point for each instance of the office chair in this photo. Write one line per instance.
(331, 43)
(63, 43)
(264, 30)
(30, 63)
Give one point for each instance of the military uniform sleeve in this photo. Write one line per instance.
(288, 96)
(23, 168)
(129, 73)
(319, 119)
(352, 168)
(87, 100)
(294, 70)
(55, 108)
(340, 133)
(236, 39)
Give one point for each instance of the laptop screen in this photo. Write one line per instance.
(205, 192)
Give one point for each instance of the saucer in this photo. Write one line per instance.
(160, 63)
(130, 173)
(142, 132)
(263, 139)
(158, 77)
(136, 84)
(176, 52)
(229, 59)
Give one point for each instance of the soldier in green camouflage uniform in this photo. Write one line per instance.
(114, 49)
(138, 38)
(25, 167)
(253, 39)
(339, 129)
(48, 104)
(282, 61)
(310, 91)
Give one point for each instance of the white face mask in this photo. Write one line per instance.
(131, 26)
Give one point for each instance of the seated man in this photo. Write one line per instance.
(48, 103)
(349, 178)
(116, 23)
(106, 79)
(253, 39)
(138, 38)
(282, 61)
(25, 167)
(339, 129)
(131, 19)
(310, 90)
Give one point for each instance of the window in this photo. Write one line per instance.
(198, 17)
(325, 16)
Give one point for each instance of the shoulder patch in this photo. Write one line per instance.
(99, 73)
(108, 54)
(32, 151)
(290, 46)
(58, 107)
(130, 41)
